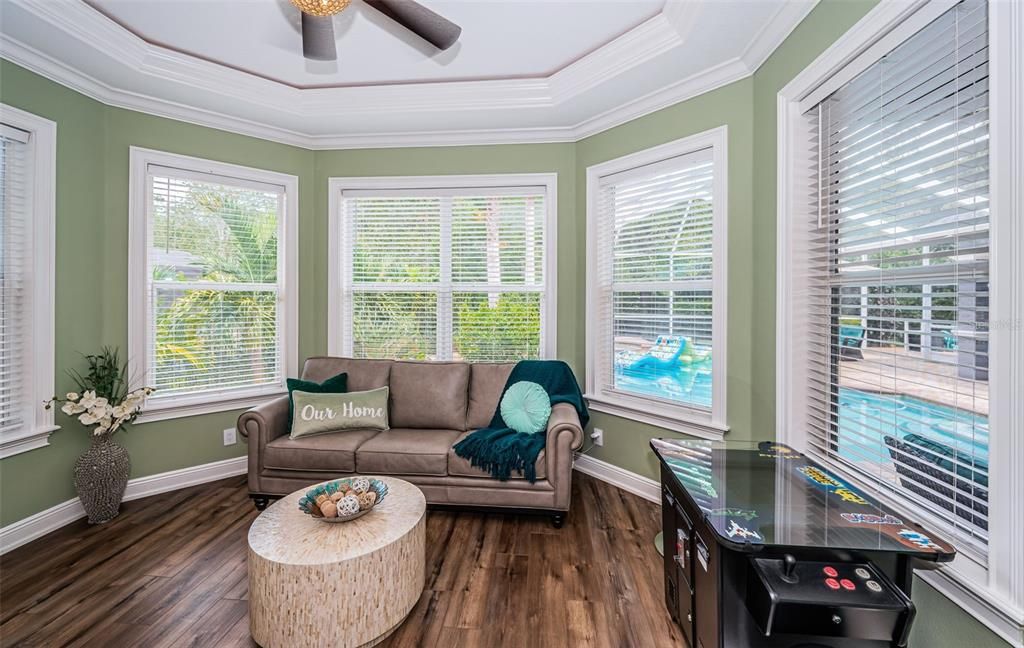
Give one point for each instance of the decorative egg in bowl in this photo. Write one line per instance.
(342, 500)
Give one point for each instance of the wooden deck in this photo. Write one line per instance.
(882, 368)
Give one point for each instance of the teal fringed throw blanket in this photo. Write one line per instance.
(499, 449)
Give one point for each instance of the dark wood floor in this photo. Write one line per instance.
(170, 571)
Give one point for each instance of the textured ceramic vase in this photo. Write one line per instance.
(101, 475)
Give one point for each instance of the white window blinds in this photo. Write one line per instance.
(214, 282)
(444, 273)
(654, 280)
(899, 342)
(15, 275)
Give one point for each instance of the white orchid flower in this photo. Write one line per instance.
(72, 396)
(88, 418)
(88, 399)
(122, 410)
(70, 408)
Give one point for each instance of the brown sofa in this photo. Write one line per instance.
(433, 405)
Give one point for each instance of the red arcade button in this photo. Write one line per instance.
(830, 572)
(832, 583)
(847, 584)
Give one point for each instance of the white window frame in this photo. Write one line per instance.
(39, 378)
(679, 418)
(994, 595)
(139, 317)
(336, 319)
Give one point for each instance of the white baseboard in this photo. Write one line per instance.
(989, 611)
(175, 479)
(28, 529)
(628, 481)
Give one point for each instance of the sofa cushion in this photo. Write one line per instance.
(485, 384)
(325, 453)
(404, 451)
(460, 467)
(526, 407)
(429, 395)
(331, 413)
(333, 385)
(363, 375)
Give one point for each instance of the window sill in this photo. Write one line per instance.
(989, 608)
(204, 404)
(682, 420)
(38, 438)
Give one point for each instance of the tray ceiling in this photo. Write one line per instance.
(548, 70)
(500, 40)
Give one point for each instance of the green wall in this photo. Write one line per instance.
(814, 35)
(92, 261)
(625, 441)
(36, 480)
(92, 168)
(507, 158)
(941, 623)
(91, 271)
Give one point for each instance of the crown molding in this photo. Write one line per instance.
(776, 31)
(688, 88)
(272, 109)
(657, 36)
(58, 72)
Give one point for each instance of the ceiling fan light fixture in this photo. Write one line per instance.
(321, 8)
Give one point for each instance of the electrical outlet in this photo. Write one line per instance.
(598, 436)
(229, 437)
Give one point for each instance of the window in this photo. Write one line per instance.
(213, 297)
(656, 285)
(902, 325)
(27, 193)
(443, 268)
(900, 346)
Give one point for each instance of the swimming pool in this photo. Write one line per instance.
(690, 385)
(864, 417)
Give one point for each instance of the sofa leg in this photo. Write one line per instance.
(557, 520)
(261, 501)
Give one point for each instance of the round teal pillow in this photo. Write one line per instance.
(526, 407)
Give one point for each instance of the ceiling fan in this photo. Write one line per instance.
(318, 25)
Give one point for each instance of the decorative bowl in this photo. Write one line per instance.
(343, 500)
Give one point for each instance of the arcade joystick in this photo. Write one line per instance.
(789, 568)
(811, 598)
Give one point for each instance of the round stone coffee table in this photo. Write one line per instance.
(313, 583)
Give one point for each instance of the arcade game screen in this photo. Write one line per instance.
(767, 493)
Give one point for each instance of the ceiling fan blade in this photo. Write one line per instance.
(318, 38)
(431, 27)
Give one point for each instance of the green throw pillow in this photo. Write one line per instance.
(322, 413)
(333, 385)
(526, 407)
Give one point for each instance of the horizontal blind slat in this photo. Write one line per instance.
(444, 274)
(214, 283)
(897, 355)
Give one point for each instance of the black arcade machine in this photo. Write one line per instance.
(764, 548)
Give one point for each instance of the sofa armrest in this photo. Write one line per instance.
(565, 420)
(264, 423)
(564, 435)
